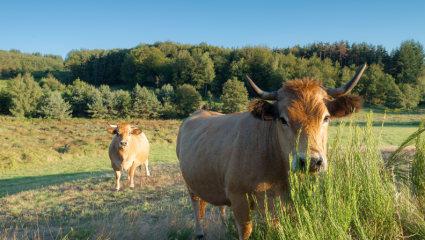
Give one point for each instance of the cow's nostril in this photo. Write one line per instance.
(302, 163)
(319, 163)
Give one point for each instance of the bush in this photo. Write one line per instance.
(395, 98)
(235, 96)
(168, 111)
(145, 103)
(95, 104)
(25, 94)
(55, 107)
(4, 101)
(78, 97)
(52, 83)
(211, 105)
(123, 106)
(187, 100)
(411, 95)
(166, 94)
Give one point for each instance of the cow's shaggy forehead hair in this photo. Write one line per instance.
(306, 102)
(123, 127)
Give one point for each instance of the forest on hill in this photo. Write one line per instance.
(393, 79)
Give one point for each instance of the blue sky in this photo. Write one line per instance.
(57, 27)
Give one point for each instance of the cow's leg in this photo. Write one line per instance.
(222, 211)
(131, 174)
(241, 211)
(117, 177)
(146, 166)
(199, 210)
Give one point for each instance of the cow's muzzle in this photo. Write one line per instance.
(317, 163)
(123, 144)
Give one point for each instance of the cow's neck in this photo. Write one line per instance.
(276, 156)
(123, 153)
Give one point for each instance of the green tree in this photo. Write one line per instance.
(183, 68)
(77, 95)
(166, 94)
(208, 70)
(187, 100)
(123, 106)
(211, 105)
(409, 60)
(4, 101)
(96, 109)
(411, 95)
(168, 98)
(25, 94)
(234, 97)
(146, 64)
(55, 107)
(52, 83)
(145, 103)
(395, 98)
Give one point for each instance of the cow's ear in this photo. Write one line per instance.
(344, 106)
(112, 130)
(263, 110)
(136, 131)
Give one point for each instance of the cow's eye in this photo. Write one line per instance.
(284, 122)
(326, 119)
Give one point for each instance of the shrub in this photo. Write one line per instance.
(395, 98)
(187, 100)
(235, 96)
(78, 97)
(166, 94)
(123, 104)
(95, 104)
(4, 101)
(168, 111)
(55, 107)
(145, 103)
(52, 83)
(411, 95)
(211, 105)
(25, 94)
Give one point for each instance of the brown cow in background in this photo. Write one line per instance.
(224, 158)
(128, 150)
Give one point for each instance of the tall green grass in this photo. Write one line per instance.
(359, 197)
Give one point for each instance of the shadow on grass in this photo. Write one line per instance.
(21, 184)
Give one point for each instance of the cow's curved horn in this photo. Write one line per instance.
(260, 93)
(111, 125)
(337, 92)
(135, 124)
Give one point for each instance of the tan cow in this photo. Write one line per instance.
(128, 150)
(225, 157)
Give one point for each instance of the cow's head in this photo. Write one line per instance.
(305, 106)
(123, 133)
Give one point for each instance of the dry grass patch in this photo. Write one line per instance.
(33, 141)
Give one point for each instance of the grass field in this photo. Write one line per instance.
(56, 181)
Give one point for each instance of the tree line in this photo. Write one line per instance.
(14, 62)
(394, 80)
(49, 98)
(208, 67)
